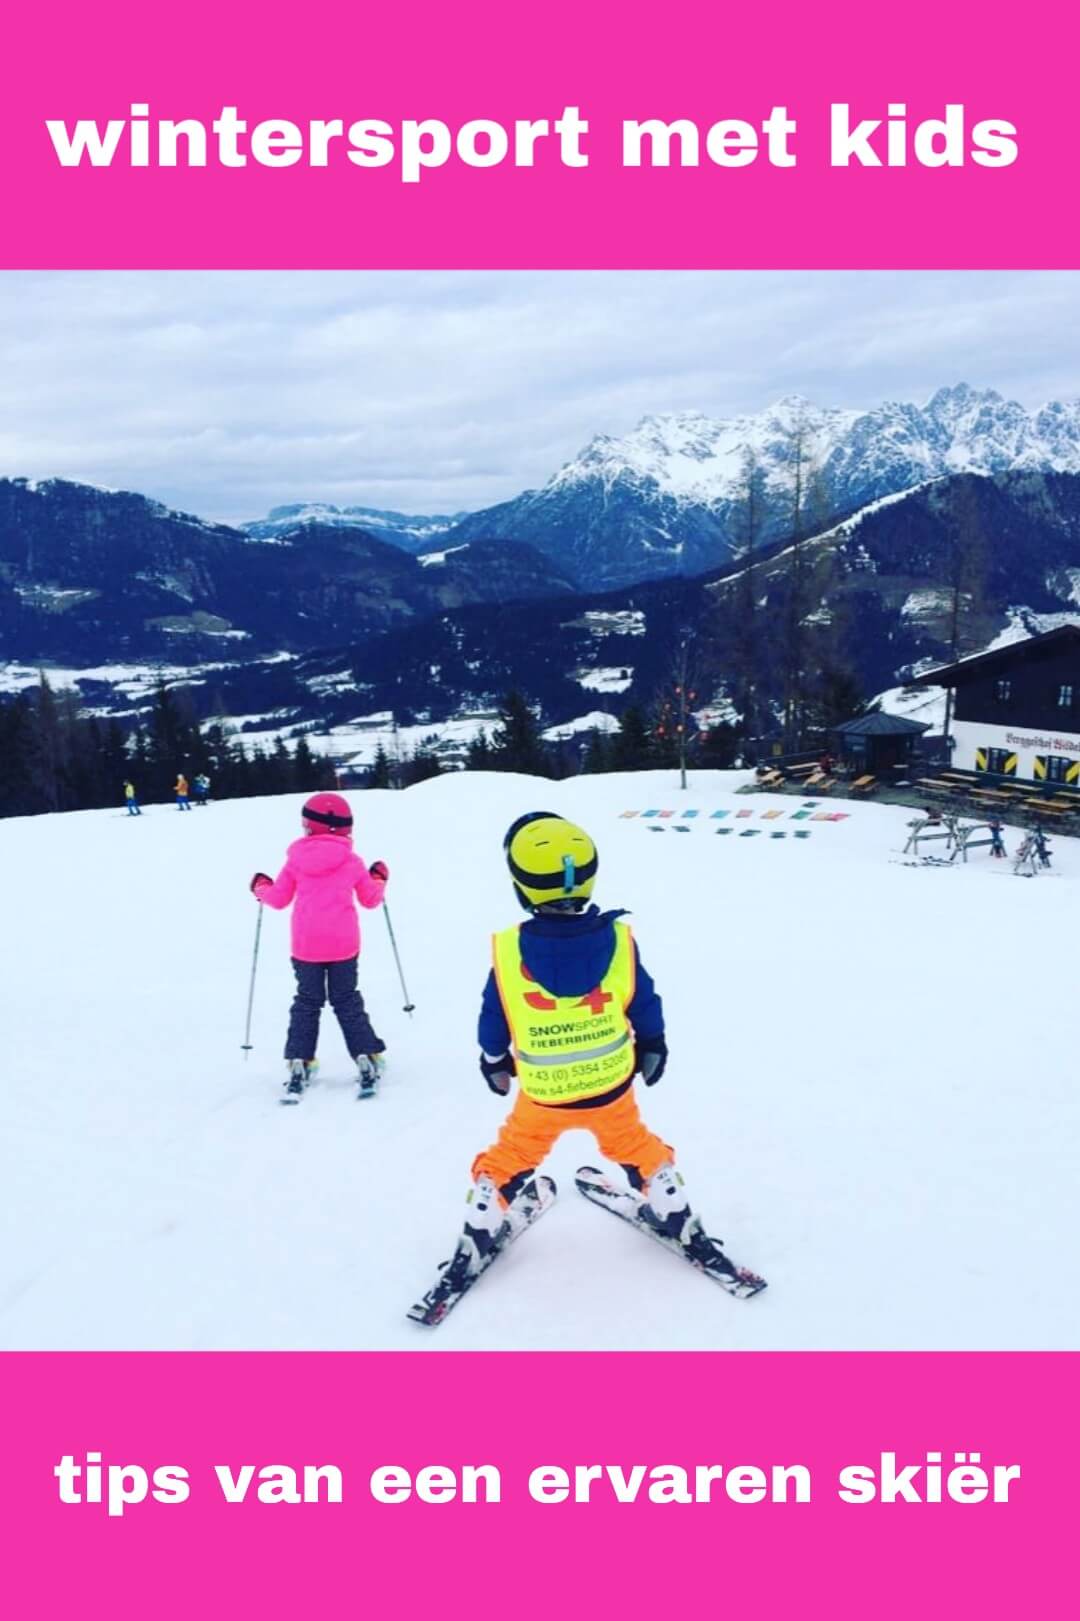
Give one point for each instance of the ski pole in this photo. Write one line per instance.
(409, 1006)
(251, 989)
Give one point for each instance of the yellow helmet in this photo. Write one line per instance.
(551, 860)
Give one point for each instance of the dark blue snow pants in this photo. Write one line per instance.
(315, 983)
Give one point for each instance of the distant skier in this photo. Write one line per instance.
(998, 851)
(180, 789)
(131, 800)
(326, 877)
(571, 1011)
(202, 788)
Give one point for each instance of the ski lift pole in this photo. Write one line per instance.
(246, 1046)
(409, 1006)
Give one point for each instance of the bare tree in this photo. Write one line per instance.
(966, 564)
(675, 725)
(800, 474)
(745, 648)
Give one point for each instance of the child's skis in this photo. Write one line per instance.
(467, 1264)
(700, 1250)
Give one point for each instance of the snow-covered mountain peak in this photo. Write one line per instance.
(410, 533)
(668, 495)
(693, 457)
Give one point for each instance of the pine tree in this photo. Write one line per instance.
(379, 775)
(597, 756)
(478, 753)
(18, 753)
(517, 744)
(632, 747)
(423, 764)
(307, 769)
(718, 747)
(174, 741)
(47, 761)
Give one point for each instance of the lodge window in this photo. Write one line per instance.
(1065, 696)
(1059, 768)
(1002, 690)
(1001, 761)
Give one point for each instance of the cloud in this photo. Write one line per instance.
(225, 393)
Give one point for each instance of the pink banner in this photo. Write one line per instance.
(853, 183)
(500, 137)
(1002, 1420)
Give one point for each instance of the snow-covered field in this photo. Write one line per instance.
(872, 1086)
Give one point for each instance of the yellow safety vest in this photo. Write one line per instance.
(567, 1047)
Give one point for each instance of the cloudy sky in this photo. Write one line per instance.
(227, 393)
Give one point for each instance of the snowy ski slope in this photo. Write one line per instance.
(872, 1086)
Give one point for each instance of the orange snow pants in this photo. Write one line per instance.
(531, 1130)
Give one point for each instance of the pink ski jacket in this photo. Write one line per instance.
(326, 877)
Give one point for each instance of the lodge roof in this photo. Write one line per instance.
(1065, 638)
(879, 724)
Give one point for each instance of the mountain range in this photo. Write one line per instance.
(666, 498)
(576, 592)
(99, 577)
(412, 534)
(877, 599)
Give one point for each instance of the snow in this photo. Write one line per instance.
(283, 519)
(1072, 578)
(595, 721)
(916, 703)
(608, 679)
(335, 682)
(619, 622)
(696, 458)
(699, 459)
(58, 594)
(433, 559)
(354, 744)
(825, 538)
(887, 1130)
(1022, 622)
(925, 604)
(132, 681)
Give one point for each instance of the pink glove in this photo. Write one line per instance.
(258, 881)
(379, 870)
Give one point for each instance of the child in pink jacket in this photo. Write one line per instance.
(325, 877)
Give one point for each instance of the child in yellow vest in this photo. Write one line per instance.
(571, 1011)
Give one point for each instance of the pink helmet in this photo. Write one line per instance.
(327, 813)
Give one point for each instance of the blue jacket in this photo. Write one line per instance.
(569, 956)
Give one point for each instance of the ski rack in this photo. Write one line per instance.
(929, 829)
(959, 836)
(966, 842)
(1034, 852)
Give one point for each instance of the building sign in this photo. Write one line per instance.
(1052, 745)
(1032, 756)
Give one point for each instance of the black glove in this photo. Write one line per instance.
(497, 1072)
(259, 878)
(650, 1059)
